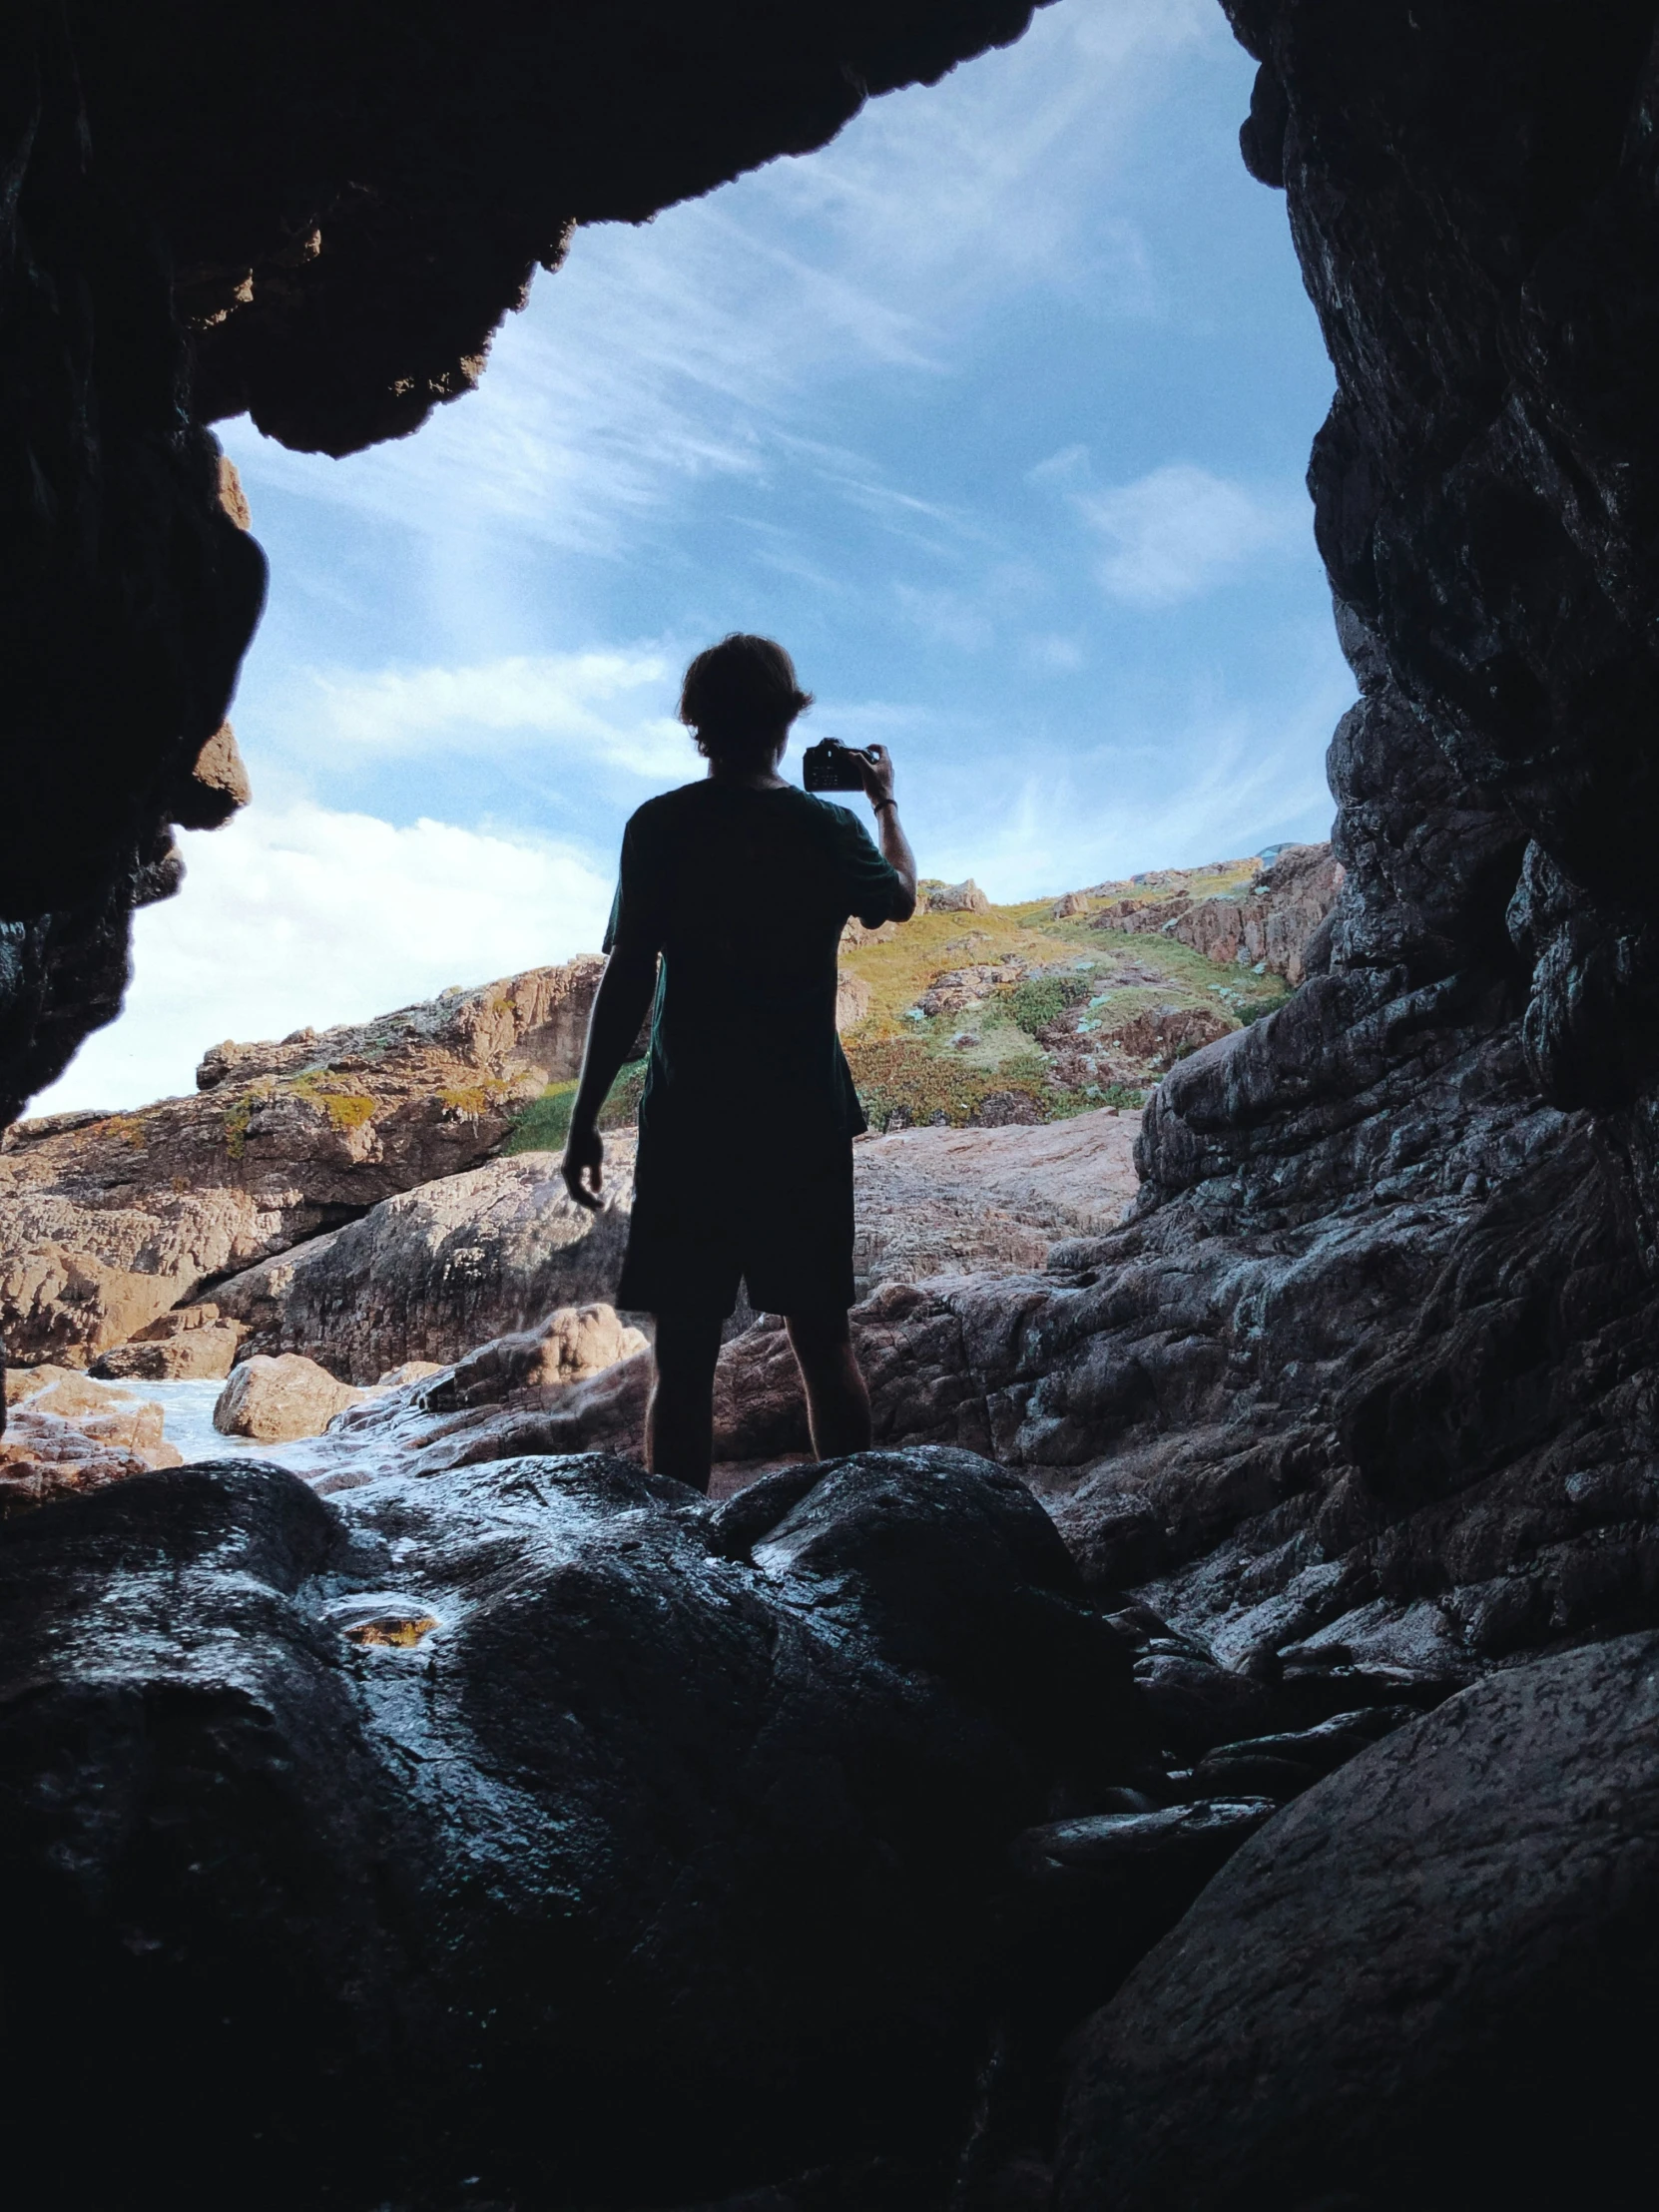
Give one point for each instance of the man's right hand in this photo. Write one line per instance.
(876, 767)
(583, 1168)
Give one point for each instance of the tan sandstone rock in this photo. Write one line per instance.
(274, 1400)
(572, 1343)
(933, 1202)
(1268, 924)
(216, 787)
(63, 1434)
(957, 899)
(852, 1001)
(950, 1201)
(432, 1273)
(113, 1219)
(194, 1343)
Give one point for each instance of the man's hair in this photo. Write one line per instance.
(739, 697)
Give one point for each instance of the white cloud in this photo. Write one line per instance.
(607, 710)
(1180, 530)
(1048, 830)
(945, 618)
(304, 915)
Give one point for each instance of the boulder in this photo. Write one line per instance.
(955, 899)
(1430, 1981)
(115, 1218)
(572, 1343)
(435, 1272)
(420, 1834)
(272, 1401)
(191, 1343)
(438, 1271)
(62, 1434)
(852, 1001)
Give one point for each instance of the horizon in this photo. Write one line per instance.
(996, 410)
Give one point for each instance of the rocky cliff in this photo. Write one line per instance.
(113, 1219)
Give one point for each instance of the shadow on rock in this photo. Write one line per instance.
(1431, 1982)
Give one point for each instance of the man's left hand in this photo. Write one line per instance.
(583, 1168)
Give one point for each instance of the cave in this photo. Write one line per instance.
(1378, 1345)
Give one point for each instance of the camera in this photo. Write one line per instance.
(831, 766)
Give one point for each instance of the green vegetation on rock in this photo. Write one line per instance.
(1042, 999)
(545, 1122)
(1084, 986)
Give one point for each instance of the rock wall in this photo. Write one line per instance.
(1275, 922)
(442, 1268)
(113, 1219)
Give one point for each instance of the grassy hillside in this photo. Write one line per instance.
(1093, 1018)
(1013, 1015)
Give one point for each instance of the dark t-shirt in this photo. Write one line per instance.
(745, 893)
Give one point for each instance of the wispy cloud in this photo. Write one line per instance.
(605, 709)
(306, 916)
(1180, 530)
(1063, 822)
(662, 357)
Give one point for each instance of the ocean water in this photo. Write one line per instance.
(187, 1422)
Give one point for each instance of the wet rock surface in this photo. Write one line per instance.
(1358, 1410)
(697, 1805)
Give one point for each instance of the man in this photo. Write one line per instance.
(733, 896)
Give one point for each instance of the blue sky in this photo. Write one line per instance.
(997, 411)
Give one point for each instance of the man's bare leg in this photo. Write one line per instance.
(680, 1420)
(837, 1404)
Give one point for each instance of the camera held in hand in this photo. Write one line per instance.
(831, 766)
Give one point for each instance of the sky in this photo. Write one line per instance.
(997, 411)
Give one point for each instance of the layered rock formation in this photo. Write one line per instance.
(113, 1219)
(1327, 2016)
(1274, 922)
(64, 1435)
(189, 1343)
(434, 1272)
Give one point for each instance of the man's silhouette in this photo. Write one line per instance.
(733, 896)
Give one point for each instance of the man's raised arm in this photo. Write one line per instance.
(618, 1007)
(876, 765)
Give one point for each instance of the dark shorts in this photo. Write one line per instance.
(780, 1222)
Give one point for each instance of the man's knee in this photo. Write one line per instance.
(813, 1335)
(687, 1346)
